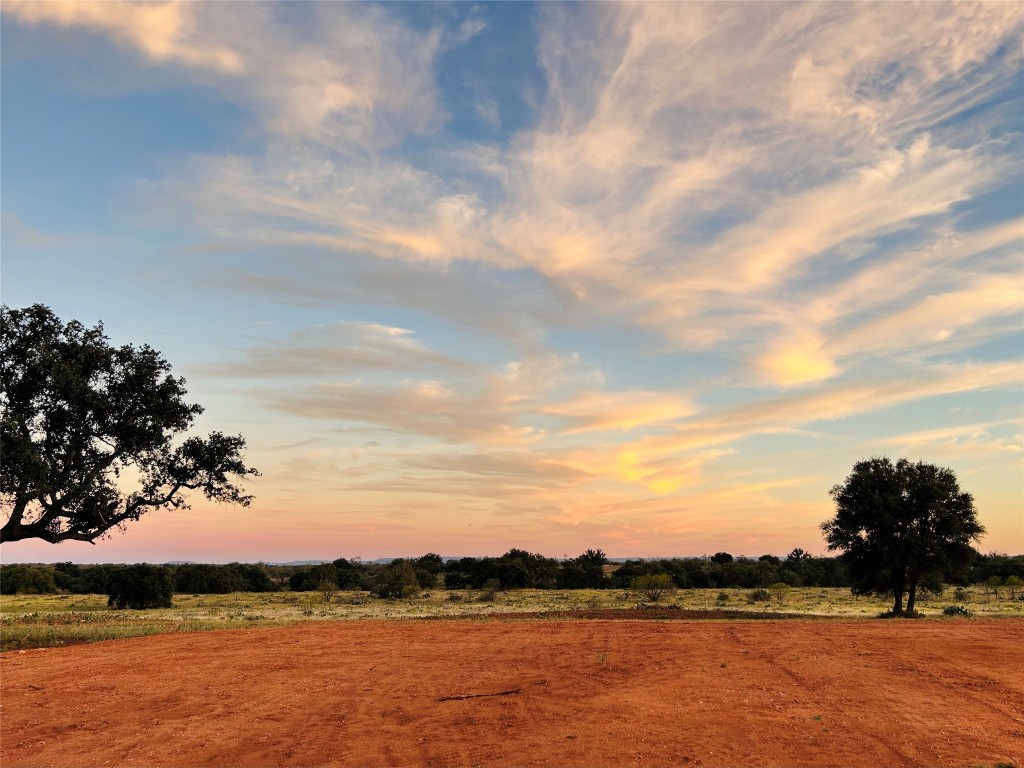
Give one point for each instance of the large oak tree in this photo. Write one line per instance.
(900, 526)
(93, 436)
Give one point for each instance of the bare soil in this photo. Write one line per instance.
(526, 692)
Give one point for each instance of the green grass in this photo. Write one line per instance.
(39, 621)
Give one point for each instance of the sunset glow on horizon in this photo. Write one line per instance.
(648, 278)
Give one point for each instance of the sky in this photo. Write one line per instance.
(647, 277)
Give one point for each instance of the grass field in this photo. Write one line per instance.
(38, 621)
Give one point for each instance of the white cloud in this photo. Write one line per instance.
(161, 31)
(341, 75)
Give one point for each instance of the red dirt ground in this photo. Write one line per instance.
(589, 693)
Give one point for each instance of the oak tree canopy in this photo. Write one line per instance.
(93, 436)
(900, 527)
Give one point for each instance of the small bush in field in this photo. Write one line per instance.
(397, 579)
(994, 583)
(779, 589)
(955, 610)
(759, 596)
(327, 588)
(1013, 583)
(490, 591)
(722, 598)
(653, 585)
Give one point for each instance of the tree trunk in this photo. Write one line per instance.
(911, 595)
(897, 606)
(898, 589)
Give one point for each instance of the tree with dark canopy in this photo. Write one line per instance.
(79, 417)
(900, 526)
(140, 586)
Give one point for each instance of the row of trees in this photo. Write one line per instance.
(516, 569)
(97, 579)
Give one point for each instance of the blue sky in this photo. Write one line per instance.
(646, 277)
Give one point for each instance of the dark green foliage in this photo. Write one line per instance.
(431, 562)
(584, 572)
(204, 579)
(759, 596)
(983, 567)
(955, 610)
(352, 574)
(201, 579)
(68, 577)
(516, 569)
(519, 569)
(26, 580)
(95, 578)
(252, 577)
(140, 586)
(395, 580)
(901, 526)
(308, 578)
(78, 415)
(463, 573)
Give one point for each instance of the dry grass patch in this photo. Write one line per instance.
(36, 621)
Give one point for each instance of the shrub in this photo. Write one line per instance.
(955, 610)
(759, 596)
(1013, 583)
(653, 585)
(961, 594)
(722, 598)
(779, 589)
(398, 579)
(327, 588)
(140, 586)
(490, 591)
(994, 583)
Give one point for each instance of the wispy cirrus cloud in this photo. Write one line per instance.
(667, 462)
(730, 179)
(699, 235)
(789, 205)
(343, 76)
(340, 349)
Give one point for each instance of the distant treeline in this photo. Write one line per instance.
(516, 569)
